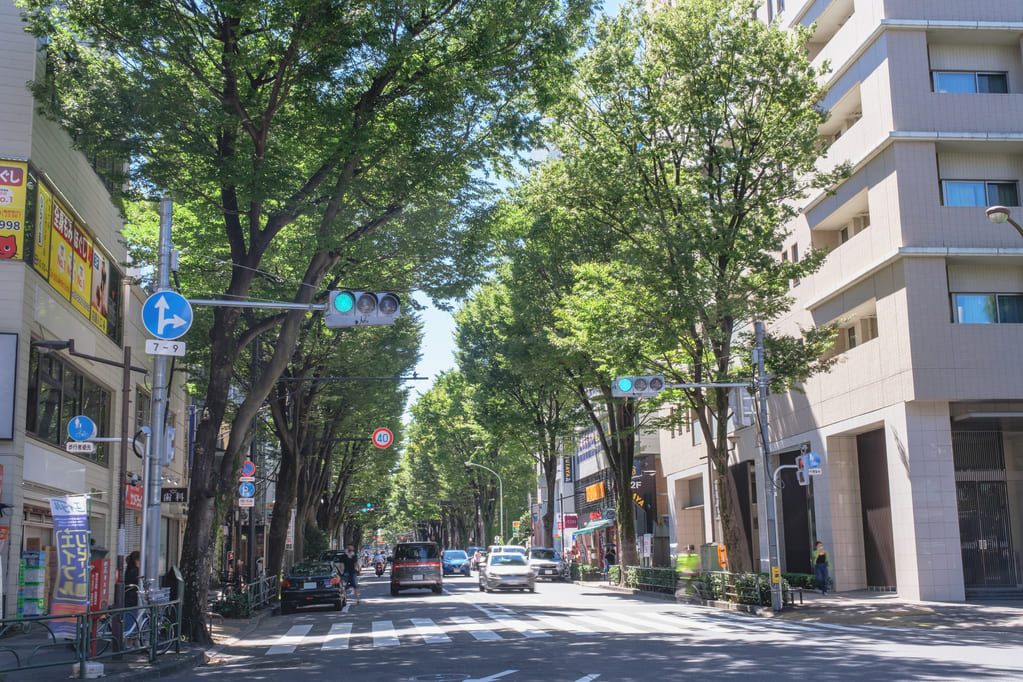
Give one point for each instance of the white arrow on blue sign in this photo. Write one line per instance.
(167, 315)
(81, 428)
(813, 460)
(246, 489)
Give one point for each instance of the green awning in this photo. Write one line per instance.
(596, 525)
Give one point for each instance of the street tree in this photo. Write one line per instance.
(327, 133)
(689, 142)
(504, 349)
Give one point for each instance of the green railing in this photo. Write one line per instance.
(33, 642)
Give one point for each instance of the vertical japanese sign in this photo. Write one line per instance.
(12, 209)
(44, 218)
(100, 289)
(566, 463)
(99, 585)
(71, 534)
(81, 280)
(4, 530)
(62, 255)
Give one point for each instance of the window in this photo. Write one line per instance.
(56, 393)
(980, 192)
(795, 259)
(989, 308)
(970, 81)
(850, 337)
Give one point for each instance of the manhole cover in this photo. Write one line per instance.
(440, 677)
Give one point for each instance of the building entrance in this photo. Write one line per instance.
(985, 509)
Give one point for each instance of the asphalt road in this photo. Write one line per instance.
(568, 633)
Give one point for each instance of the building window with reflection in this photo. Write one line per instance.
(57, 392)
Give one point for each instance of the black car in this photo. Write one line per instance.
(312, 583)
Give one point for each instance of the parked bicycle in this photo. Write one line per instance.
(138, 625)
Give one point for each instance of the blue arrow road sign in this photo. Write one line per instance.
(81, 428)
(813, 460)
(167, 315)
(246, 489)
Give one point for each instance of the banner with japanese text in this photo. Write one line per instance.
(62, 255)
(81, 283)
(71, 535)
(13, 175)
(44, 218)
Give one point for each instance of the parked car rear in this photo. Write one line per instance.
(416, 565)
(311, 583)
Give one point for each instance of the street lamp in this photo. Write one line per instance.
(1001, 214)
(500, 491)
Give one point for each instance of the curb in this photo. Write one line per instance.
(164, 667)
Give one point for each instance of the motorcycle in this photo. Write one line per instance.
(380, 568)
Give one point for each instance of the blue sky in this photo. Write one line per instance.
(438, 350)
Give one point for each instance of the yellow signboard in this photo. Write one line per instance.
(595, 491)
(81, 274)
(62, 254)
(775, 574)
(13, 176)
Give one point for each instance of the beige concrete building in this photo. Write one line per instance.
(920, 423)
(63, 277)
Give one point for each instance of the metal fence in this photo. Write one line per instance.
(45, 641)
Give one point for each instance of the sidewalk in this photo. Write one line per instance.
(136, 666)
(877, 608)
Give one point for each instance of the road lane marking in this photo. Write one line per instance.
(565, 623)
(384, 634)
(290, 641)
(338, 637)
(521, 627)
(474, 628)
(603, 625)
(588, 678)
(429, 631)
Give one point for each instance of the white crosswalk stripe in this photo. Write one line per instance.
(564, 623)
(521, 626)
(429, 631)
(338, 637)
(498, 623)
(474, 628)
(290, 641)
(384, 634)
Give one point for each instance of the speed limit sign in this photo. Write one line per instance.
(382, 438)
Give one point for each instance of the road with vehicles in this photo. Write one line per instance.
(573, 633)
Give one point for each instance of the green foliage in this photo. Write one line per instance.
(586, 572)
(234, 605)
(315, 541)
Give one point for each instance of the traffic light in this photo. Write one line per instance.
(637, 387)
(802, 470)
(361, 309)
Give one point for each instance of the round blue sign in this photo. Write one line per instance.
(167, 315)
(813, 460)
(81, 428)
(246, 489)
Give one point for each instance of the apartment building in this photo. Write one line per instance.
(920, 423)
(64, 277)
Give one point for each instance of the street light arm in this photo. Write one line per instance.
(500, 490)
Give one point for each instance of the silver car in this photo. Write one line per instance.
(507, 571)
(548, 564)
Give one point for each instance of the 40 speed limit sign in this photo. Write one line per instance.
(382, 438)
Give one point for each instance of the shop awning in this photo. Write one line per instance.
(596, 525)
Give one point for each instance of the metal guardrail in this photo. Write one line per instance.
(233, 601)
(33, 642)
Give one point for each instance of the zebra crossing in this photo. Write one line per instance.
(494, 623)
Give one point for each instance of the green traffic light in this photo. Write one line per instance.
(344, 302)
(625, 384)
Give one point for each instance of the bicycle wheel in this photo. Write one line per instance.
(164, 633)
(103, 638)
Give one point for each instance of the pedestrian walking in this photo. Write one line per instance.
(820, 567)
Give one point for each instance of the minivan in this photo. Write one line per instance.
(416, 564)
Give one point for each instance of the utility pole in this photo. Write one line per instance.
(771, 490)
(151, 551)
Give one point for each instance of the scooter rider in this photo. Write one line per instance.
(349, 569)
